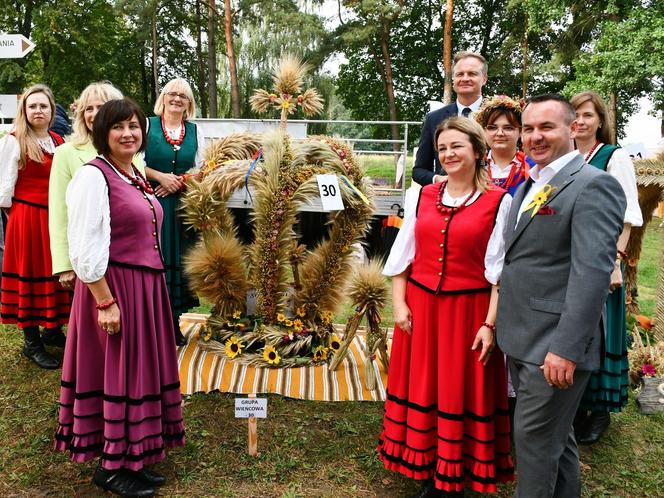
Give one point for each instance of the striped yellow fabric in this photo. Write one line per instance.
(205, 371)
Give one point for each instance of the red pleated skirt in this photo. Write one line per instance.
(446, 415)
(31, 296)
(120, 394)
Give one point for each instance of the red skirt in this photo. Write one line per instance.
(446, 415)
(31, 295)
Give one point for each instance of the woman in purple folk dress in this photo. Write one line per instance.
(120, 397)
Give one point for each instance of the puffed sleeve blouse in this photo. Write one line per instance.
(403, 250)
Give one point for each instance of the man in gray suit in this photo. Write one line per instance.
(560, 248)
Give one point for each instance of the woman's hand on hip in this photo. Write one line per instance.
(403, 318)
(486, 337)
(109, 319)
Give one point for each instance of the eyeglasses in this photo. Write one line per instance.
(177, 94)
(505, 129)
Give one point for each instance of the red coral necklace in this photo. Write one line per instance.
(590, 152)
(445, 210)
(138, 181)
(174, 142)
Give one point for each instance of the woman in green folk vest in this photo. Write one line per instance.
(175, 145)
(607, 389)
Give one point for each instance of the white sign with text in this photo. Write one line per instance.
(250, 407)
(330, 193)
(14, 46)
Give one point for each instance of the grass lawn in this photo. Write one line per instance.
(307, 449)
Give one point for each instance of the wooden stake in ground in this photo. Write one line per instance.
(252, 439)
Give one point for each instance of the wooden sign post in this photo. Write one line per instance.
(251, 408)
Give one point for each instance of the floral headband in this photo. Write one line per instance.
(502, 102)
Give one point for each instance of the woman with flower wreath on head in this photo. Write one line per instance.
(31, 296)
(446, 414)
(507, 165)
(67, 160)
(175, 145)
(607, 388)
(120, 391)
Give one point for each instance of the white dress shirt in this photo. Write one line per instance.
(403, 249)
(621, 168)
(474, 107)
(541, 176)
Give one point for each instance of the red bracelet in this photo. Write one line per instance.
(489, 326)
(107, 304)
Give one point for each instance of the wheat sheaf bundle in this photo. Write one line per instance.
(217, 272)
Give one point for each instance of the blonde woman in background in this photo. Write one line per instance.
(66, 162)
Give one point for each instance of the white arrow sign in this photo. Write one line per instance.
(14, 46)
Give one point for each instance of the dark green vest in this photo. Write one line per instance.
(601, 159)
(162, 156)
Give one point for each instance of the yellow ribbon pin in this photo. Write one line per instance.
(540, 199)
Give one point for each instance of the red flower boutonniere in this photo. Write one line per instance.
(546, 211)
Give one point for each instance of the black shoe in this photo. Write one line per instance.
(122, 483)
(54, 337)
(150, 477)
(428, 490)
(597, 425)
(33, 349)
(180, 339)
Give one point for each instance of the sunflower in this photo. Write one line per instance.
(288, 323)
(281, 317)
(237, 314)
(320, 353)
(297, 324)
(271, 356)
(233, 347)
(335, 343)
(300, 312)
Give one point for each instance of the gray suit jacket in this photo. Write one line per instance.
(557, 268)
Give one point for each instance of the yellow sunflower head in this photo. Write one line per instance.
(335, 342)
(320, 353)
(234, 347)
(288, 323)
(297, 324)
(300, 311)
(281, 317)
(237, 314)
(271, 356)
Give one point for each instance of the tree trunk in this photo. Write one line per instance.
(447, 52)
(389, 86)
(155, 62)
(235, 91)
(524, 51)
(200, 83)
(212, 59)
(613, 117)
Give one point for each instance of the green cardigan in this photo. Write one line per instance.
(67, 161)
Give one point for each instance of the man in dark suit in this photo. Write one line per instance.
(469, 75)
(560, 248)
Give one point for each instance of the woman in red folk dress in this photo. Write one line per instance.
(31, 296)
(446, 414)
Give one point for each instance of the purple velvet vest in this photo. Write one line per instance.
(135, 223)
